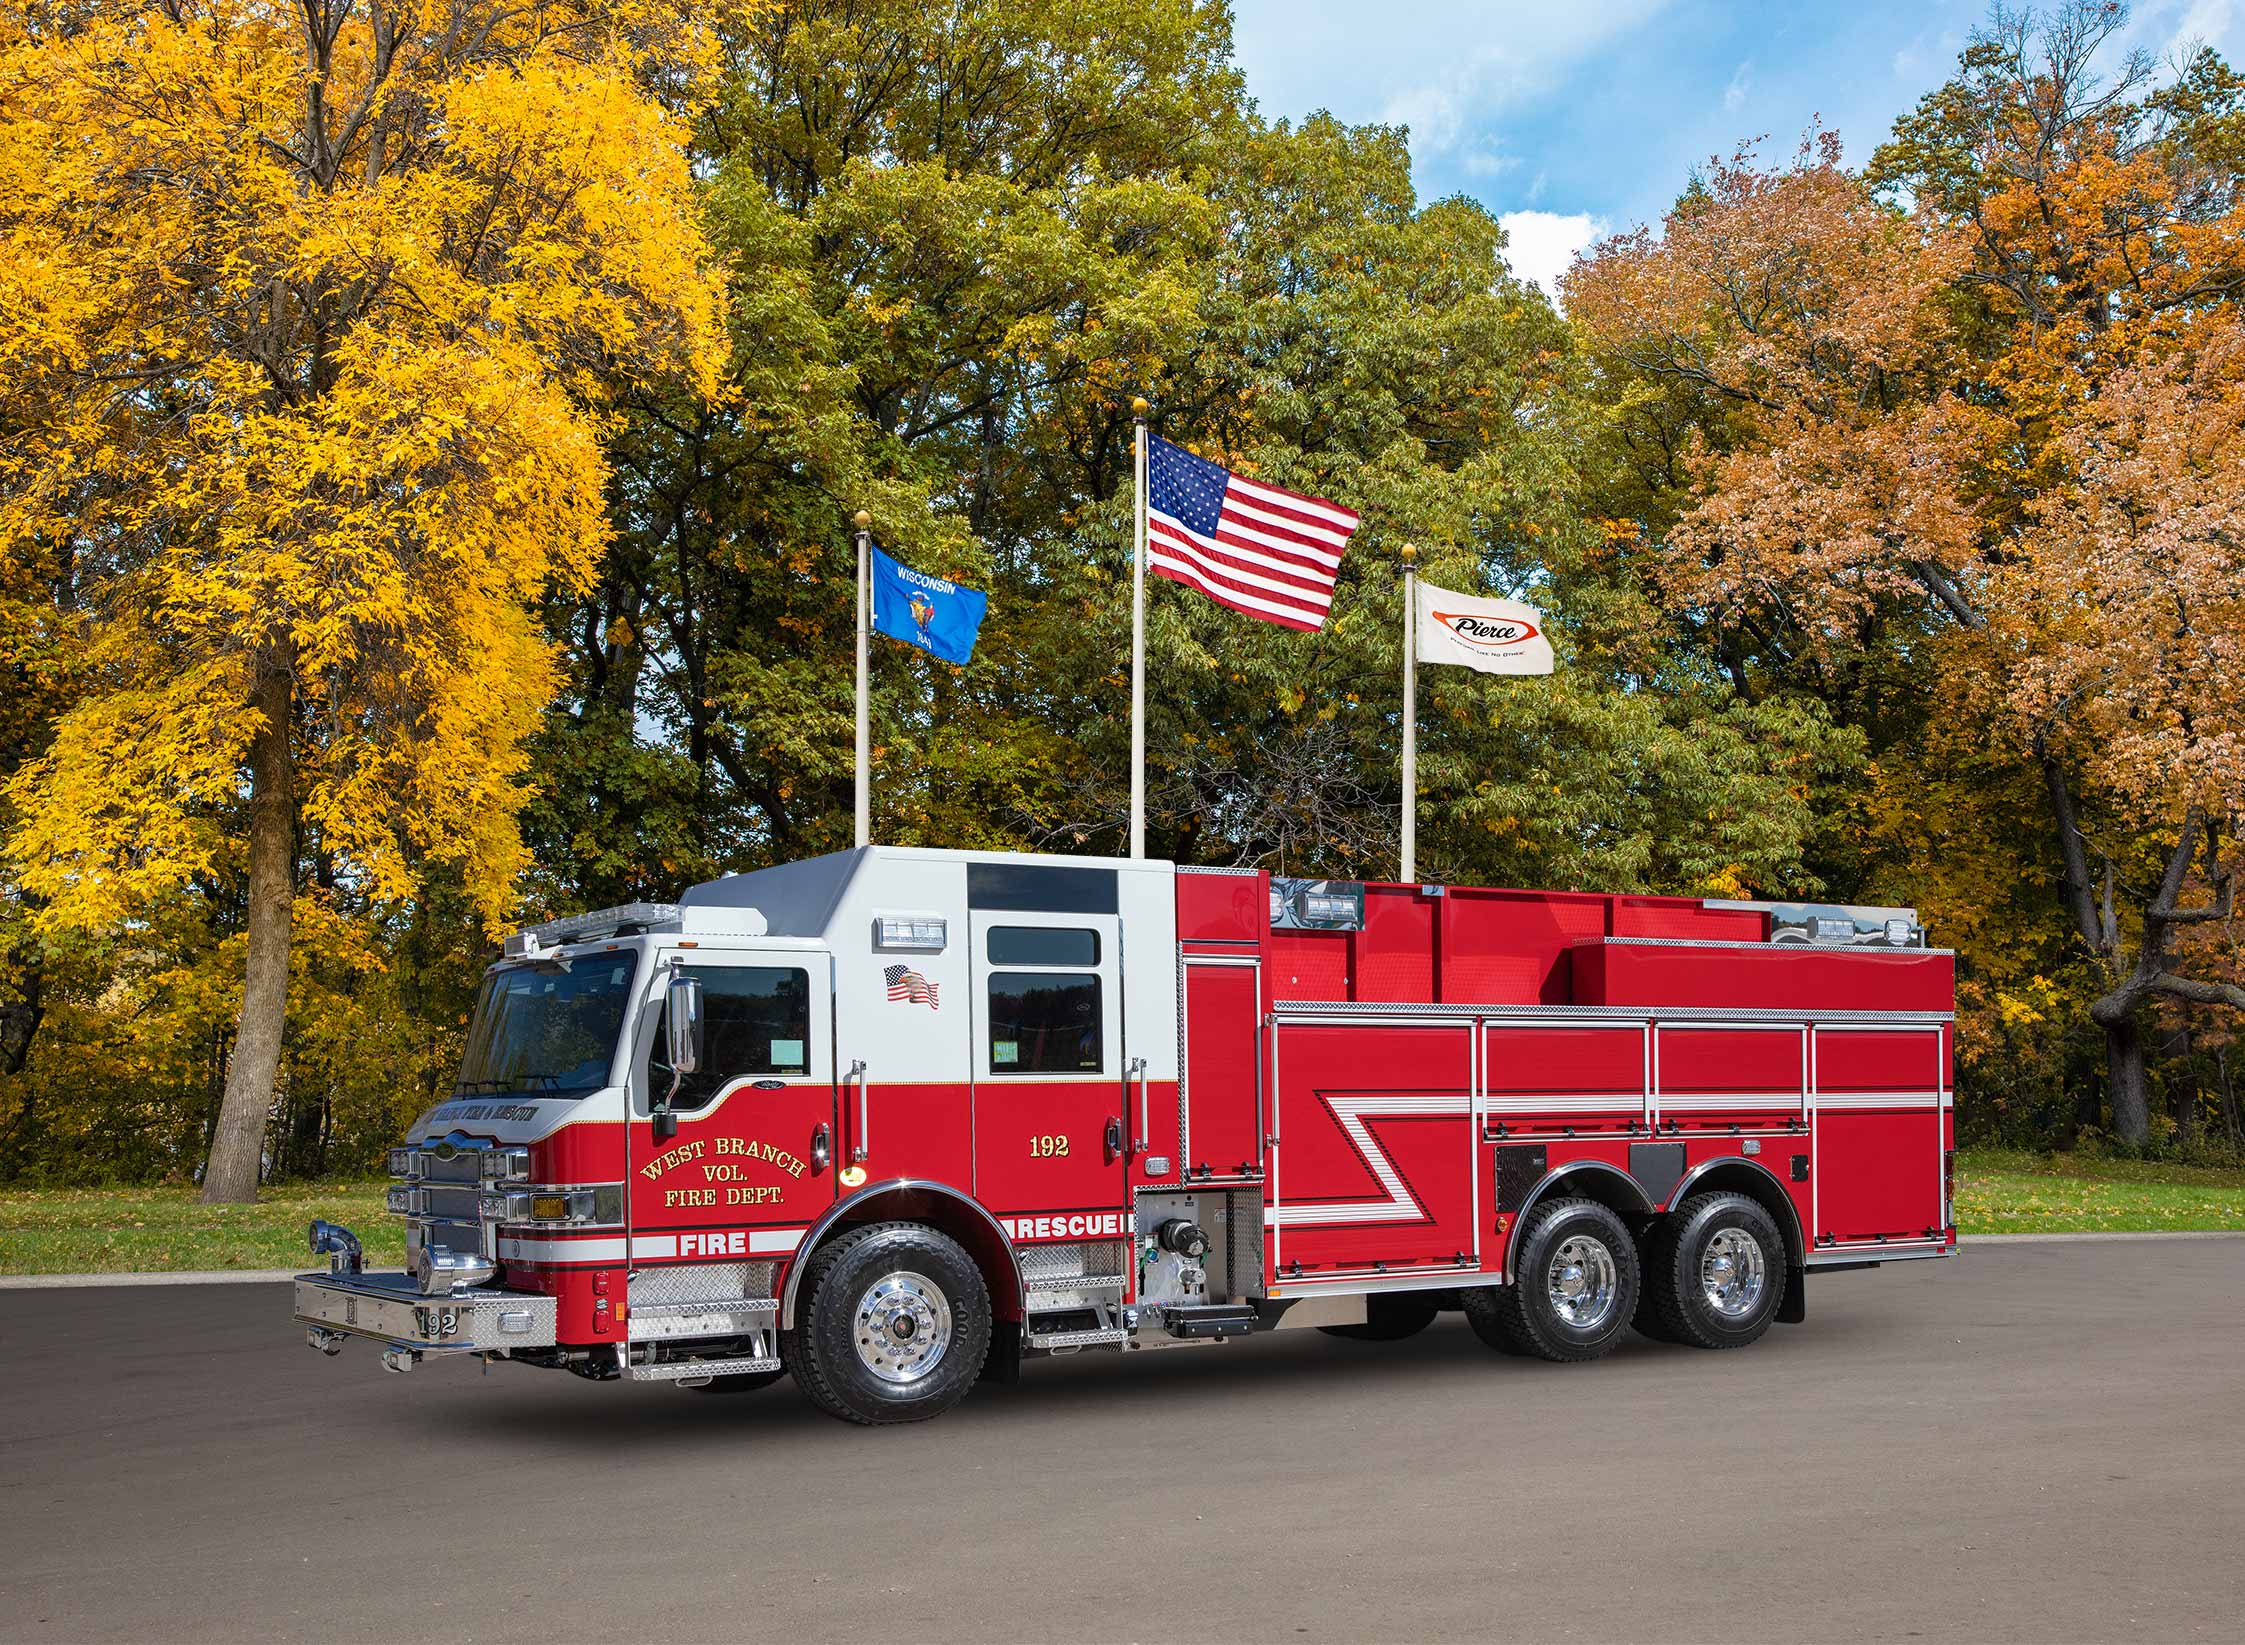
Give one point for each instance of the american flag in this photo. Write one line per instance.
(907, 984)
(1270, 553)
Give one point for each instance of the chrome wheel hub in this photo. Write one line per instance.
(1732, 1273)
(903, 1327)
(1582, 1283)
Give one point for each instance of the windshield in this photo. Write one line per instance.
(542, 1028)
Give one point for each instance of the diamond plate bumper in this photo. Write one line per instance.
(390, 1309)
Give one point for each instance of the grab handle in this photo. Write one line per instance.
(858, 1143)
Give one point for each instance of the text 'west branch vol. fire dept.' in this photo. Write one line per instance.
(729, 1186)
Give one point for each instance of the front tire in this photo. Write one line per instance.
(1575, 1286)
(1718, 1271)
(895, 1327)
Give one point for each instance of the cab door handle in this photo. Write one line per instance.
(822, 1148)
(1114, 1138)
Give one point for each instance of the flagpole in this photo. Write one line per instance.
(1138, 410)
(1410, 716)
(864, 741)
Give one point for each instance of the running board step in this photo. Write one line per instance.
(707, 1305)
(1103, 1338)
(1223, 1319)
(687, 1370)
(1050, 1295)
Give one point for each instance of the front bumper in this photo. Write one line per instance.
(390, 1309)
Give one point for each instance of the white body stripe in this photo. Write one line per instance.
(1400, 1205)
(646, 1247)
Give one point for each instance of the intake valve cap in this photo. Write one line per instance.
(1183, 1237)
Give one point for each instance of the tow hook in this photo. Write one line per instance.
(326, 1341)
(400, 1360)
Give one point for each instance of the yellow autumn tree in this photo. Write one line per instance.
(307, 317)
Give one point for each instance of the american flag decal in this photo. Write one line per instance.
(907, 984)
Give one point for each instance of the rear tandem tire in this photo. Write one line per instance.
(1575, 1286)
(1717, 1272)
(895, 1325)
(1387, 1319)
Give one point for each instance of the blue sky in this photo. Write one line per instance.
(1574, 118)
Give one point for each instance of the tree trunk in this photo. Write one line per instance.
(2230, 1118)
(2124, 1079)
(238, 1142)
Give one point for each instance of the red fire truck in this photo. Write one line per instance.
(895, 1120)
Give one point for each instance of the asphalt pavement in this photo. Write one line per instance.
(2041, 1443)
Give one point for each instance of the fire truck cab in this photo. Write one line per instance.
(894, 1120)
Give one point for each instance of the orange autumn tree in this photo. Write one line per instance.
(310, 313)
(2127, 622)
(1916, 428)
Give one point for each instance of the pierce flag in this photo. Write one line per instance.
(1494, 636)
(939, 616)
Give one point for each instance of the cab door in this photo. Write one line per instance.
(1050, 1066)
(751, 1164)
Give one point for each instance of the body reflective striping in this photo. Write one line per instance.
(1401, 1205)
(651, 1247)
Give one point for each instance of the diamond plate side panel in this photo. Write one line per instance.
(702, 1282)
(1043, 1266)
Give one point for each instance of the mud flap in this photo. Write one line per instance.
(1002, 1363)
(1794, 1308)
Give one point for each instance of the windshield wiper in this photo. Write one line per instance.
(470, 1088)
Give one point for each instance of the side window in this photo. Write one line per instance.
(1044, 1022)
(756, 1021)
(1042, 945)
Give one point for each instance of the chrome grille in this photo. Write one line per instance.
(446, 1236)
(458, 1204)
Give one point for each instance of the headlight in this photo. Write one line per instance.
(506, 1164)
(401, 1162)
(402, 1200)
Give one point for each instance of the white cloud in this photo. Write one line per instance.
(1540, 244)
(2203, 21)
(1734, 94)
(1445, 68)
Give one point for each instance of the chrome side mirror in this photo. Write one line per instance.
(683, 1005)
(682, 1015)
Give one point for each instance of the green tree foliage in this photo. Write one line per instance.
(1064, 214)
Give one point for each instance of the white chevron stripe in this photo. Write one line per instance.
(1352, 1112)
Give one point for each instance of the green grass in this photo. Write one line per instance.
(143, 1230)
(2000, 1191)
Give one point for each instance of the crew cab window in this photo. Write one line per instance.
(756, 1021)
(1042, 945)
(1044, 1022)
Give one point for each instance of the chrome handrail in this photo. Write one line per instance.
(858, 1144)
